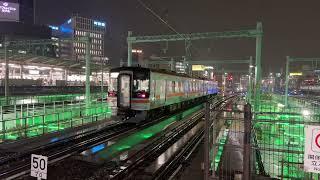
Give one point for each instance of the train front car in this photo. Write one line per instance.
(149, 94)
(133, 93)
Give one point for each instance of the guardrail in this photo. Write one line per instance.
(39, 124)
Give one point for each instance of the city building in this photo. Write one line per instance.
(75, 28)
(176, 64)
(17, 11)
(17, 22)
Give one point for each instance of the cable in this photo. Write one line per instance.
(162, 20)
(165, 22)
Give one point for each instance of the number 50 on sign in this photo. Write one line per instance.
(39, 166)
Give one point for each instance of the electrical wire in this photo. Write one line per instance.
(159, 17)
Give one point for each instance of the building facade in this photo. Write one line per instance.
(17, 10)
(75, 28)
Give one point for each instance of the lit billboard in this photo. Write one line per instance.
(9, 11)
(198, 67)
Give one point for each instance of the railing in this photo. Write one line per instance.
(45, 90)
(29, 124)
(279, 135)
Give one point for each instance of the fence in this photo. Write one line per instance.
(28, 120)
(280, 135)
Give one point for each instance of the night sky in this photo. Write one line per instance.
(291, 27)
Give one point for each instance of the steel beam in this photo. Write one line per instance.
(292, 59)
(196, 36)
(287, 81)
(6, 78)
(129, 50)
(250, 80)
(204, 62)
(258, 64)
(208, 62)
(88, 59)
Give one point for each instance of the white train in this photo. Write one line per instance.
(145, 93)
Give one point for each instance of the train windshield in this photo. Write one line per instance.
(140, 85)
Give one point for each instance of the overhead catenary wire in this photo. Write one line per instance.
(160, 18)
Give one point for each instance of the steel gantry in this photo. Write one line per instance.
(256, 33)
(288, 61)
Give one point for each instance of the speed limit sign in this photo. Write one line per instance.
(39, 166)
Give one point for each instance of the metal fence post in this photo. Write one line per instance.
(247, 142)
(206, 141)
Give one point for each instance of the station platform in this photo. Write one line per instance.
(38, 141)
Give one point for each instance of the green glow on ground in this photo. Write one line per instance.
(141, 136)
(284, 138)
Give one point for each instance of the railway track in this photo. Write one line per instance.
(18, 165)
(135, 167)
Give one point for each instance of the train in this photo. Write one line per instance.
(144, 93)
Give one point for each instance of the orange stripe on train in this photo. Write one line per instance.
(140, 101)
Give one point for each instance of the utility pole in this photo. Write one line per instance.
(129, 49)
(88, 59)
(6, 78)
(250, 80)
(34, 12)
(258, 64)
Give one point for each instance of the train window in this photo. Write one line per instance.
(140, 88)
(180, 86)
(177, 84)
(140, 85)
(169, 87)
(173, 86)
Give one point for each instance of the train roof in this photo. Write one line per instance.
(143, 69)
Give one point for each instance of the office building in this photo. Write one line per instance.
(75, 28)
(17, 10)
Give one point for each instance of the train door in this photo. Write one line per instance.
(124, 89)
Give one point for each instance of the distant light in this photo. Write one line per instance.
(139, 51)
(98, 23)
(97, 148)
(54, 27)
(209, 67)
(54, 139)
(22, 52)
(114, 74)
(251, 66)
(58, 69)
(198, 67)
(296, 74)
(69, 21)
(83, 67)
(34, 72)
(44, 68)
(0, 45)
(305, 112)
(31, 67)
(66, 30)
(280, 105)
